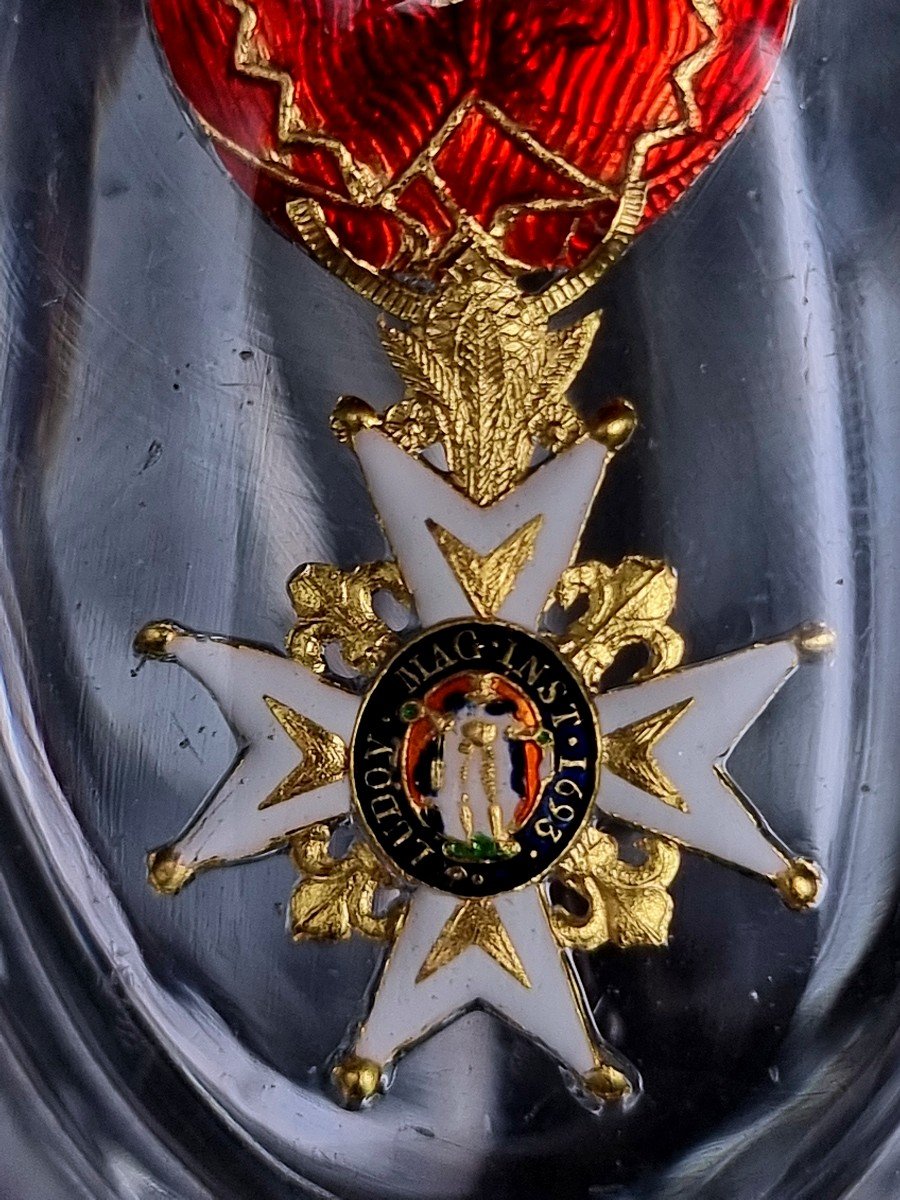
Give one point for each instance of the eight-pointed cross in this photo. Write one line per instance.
(499, 954)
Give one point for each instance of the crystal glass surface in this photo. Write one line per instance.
(169, 366)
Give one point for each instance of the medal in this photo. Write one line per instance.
(446, 600)
(487, 752)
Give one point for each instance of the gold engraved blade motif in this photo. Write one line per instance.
(628, 753)
(474, 923)
(488, 579)
(324, 755)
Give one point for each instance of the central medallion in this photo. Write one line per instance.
(475, 759)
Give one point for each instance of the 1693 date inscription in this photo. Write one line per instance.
(475, 759)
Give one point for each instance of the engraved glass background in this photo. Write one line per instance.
(169, 364)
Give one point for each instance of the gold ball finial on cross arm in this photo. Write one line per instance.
(167, 872)
(800, 884)
(614, 425)
(155, 638)
(351, 415)
(357, 1080)
(607, 1083)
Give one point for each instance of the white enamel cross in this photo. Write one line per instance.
(543, 997)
